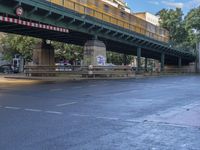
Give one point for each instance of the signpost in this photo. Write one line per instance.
(19, 11)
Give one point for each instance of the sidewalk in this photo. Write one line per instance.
(23, 77)
(59, 78)
(8, 79)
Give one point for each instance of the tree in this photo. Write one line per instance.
(193, 19)
(172, 20)
(24, 45)
(117, 58)
(68, 52)
(17, 44)
(192, 24)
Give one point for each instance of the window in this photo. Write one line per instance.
(106, 8)
(122, 14)
(88, 11)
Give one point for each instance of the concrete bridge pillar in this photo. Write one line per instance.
(162, 62)
(138, 58)
(43, 54)
(94, 53)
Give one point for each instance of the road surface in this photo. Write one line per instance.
(133, 114)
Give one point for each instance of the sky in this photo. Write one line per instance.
(153, 6)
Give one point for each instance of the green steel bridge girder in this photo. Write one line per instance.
(45, 12)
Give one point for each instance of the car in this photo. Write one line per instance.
(63, 67)
(109, 65)
(7, 69)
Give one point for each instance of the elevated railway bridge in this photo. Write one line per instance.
(46, 20)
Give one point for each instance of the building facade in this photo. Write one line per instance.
(148, 17)
(119, 4)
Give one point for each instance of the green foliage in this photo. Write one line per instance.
(172, 20)
(23, 45)
(193, 19)
(16, 44)
(192, 24)
(181, 29)
(68, 51)
(117, 59)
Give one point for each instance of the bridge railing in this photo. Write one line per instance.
(94, 71)
(136, 25)
(179, 70)
(101, 71)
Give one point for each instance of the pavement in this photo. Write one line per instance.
(61, 78)
(160, 113)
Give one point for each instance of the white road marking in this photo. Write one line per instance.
(136, 121)
(54, 112)
(13, 108)
(66, 104)
(33, 110)
(80, 115)
(107, 118)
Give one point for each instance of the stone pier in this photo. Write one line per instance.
(43, 54)
(94, 53)
(43, 57)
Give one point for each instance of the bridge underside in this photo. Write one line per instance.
(79, 38)
(83, 28)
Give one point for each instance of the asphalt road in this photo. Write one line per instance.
(134, 114)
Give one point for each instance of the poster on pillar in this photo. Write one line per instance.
(101, 60)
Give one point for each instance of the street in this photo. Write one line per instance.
(160, 113)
